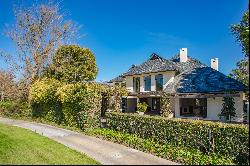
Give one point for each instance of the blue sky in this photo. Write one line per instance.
(125, 32)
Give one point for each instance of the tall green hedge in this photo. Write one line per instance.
(220, 138)
(81, 104)
(75, 105)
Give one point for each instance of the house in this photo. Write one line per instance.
(196, 90)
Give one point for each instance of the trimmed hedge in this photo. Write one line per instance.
(168, 151)
(230, 140)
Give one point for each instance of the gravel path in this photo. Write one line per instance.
(107, 153)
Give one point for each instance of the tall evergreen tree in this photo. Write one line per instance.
(228, 109)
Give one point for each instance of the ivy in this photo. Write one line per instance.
(165, 105)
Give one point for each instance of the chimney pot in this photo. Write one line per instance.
(183, 55)
(215, 63)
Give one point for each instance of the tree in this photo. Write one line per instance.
(241, 31)
(8, 87)
(228, 109)
(73, 64)
(37, 32)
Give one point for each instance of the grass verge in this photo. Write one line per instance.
(21, 146)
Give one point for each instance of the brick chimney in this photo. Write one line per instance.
(183, 55)
(215, 64)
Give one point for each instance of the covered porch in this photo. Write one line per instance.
(206, 106)
(129, 104)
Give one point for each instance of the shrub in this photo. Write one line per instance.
(81, 104)
(14, 109)
(230, 140)
(142, 107)
(171, 152)
(44, 90)
(44, 101)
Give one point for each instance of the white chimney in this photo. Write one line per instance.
(183, 55)
(215, 64)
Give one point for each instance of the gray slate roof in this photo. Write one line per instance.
(193, 77)
(203, 80)
(119, 78)
(157, 64)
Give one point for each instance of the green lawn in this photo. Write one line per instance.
(21, 146)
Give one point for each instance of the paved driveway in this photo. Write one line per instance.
(103, 151)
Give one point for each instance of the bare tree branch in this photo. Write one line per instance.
(37, 32)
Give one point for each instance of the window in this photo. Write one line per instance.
(159, 82)
(117, 84)
(147, 83)
(193, 107)
(136, 84)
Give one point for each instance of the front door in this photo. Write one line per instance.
(124, 105)
(141, 100)
(156, 105)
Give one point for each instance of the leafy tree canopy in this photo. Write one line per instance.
(73, 64)
(241, 31)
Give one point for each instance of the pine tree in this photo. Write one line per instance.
(228, 109)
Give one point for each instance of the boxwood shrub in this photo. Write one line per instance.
(230, 140)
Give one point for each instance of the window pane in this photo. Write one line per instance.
(136, 84)
(159, 82)
(147, 83)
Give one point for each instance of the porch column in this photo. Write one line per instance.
(177, 107)
(153, 88)
(141, 84)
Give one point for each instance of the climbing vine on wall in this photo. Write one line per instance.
(165, 105)
(115, 94)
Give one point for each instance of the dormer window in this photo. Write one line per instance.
(147, 83)
(159, 82)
